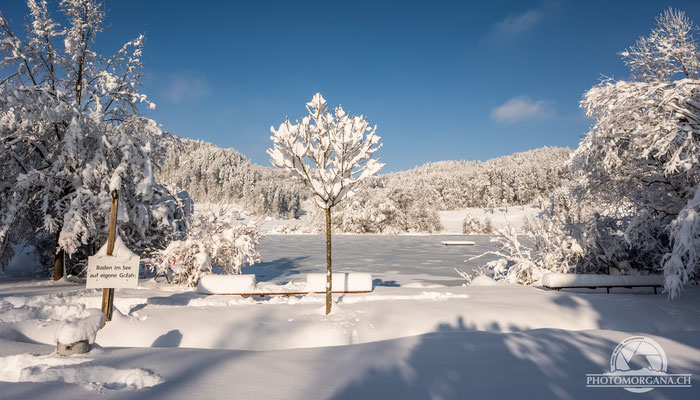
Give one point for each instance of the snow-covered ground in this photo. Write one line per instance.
(451, 220)
(499, 216)
(419, 334)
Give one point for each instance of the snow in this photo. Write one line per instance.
(120, 251)
(556, 280)
(54, 368)
(342, 282)
(418, 334)
(392, 260)
(483, 280)
(115, 182)
(500, 217)
(74, 330)
(222, 284)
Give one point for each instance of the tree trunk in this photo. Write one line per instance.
(108, 293)
(329, 268)
(58, 260)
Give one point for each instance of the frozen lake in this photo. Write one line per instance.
(392, 260)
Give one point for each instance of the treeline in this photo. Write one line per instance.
(408, 201)
(509, 180)
(213, 174)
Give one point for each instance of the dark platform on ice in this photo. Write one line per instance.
(608, 287)
(263, 294)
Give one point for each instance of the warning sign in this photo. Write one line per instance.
(112, 272)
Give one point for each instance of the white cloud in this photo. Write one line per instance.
(515, 24)
(183, 86)
(520, 109)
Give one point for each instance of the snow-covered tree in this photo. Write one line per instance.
(641, 159)
(70, 126)
(332, 152)
(472, 225)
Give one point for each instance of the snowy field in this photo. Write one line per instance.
(499, 217)
(419, 334)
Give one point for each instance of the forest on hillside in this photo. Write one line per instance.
(406, 201)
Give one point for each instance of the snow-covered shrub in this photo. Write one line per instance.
(214, 239)
(475, 226)
(545, 247)
(470, 276)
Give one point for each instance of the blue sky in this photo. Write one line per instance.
(442, 80)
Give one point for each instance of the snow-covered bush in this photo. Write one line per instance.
(214, 240)
(641, 159)
(544, 247)
(475, 226)
(470, 276)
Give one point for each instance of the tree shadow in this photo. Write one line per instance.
(171, 339)
(279, 268)
(177, 299)
(567, 301)
(457, 363)
(379, 282)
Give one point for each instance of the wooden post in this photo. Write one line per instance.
(329, 268)
(108, 294)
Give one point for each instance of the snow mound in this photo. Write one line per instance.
(79, 370)
(575, 280)
(40, 312)
(120, 251)
(342, 282)
(226, 284)
(77, 329)
(483, 280)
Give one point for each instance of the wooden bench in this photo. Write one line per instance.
(556, 281)
(246, 285)
(263, 294)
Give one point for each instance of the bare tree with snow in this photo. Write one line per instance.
(331, 152)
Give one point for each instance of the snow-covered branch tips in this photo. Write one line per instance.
(330, 151)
